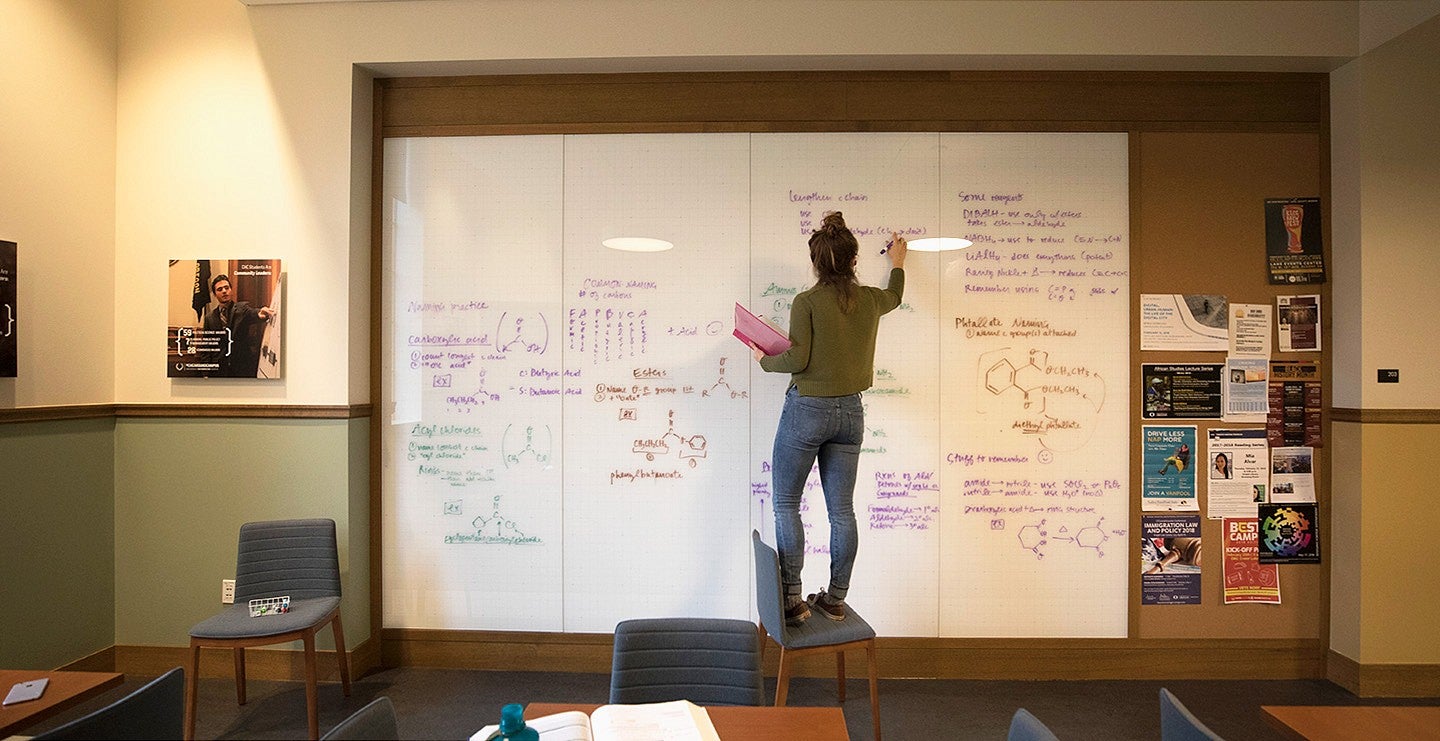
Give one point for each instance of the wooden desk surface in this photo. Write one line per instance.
(66, 689)
(1357, 722)
(791, 722)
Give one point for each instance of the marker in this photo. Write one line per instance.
(887, 246)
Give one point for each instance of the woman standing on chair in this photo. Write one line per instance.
(833, 327)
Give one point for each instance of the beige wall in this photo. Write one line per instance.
(1399, 101)
(57, 201)
(1386, 175)
(57, 197)
(1399, 598)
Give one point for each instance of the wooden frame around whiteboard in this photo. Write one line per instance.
(1206, 149)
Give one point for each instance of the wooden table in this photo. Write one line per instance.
(791, 722)
(1357, 722)
(66, 689)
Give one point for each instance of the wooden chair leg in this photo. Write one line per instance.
(312, 695)
(840, 673)
(192, 689)
(782, 680)
(240, 675)
(340, 652)
(874, 687)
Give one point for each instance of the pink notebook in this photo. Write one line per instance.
(750, 328)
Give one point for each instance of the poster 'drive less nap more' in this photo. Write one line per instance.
(224, 319)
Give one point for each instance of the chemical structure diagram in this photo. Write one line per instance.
(465, 403)
(1035, 537)
(714, 390)
(1058, 403)
(513, 453)
(690, 448)
(496, 530)
(523, 336)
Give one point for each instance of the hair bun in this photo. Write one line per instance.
(834, 220)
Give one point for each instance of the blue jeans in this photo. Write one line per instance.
(830, 428)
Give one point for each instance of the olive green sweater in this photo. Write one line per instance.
(834, 352)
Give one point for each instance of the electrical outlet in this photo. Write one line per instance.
(227, 591)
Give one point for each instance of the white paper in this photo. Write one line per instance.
(25, 691)
(1292, 478)
(1247, 389)
(1237, 471)
(1250, 330)
(657, 721)
(1172, 321)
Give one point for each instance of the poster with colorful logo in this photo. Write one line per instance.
(9, 347)
(1289, 533)
(1170, 458)
(1170, 559)
(1246, 579)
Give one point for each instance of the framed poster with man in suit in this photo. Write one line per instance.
(224, 319)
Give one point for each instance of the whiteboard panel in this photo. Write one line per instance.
(656, 444)
(470, 520)
(1035, 348)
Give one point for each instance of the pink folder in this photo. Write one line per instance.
(749, 328)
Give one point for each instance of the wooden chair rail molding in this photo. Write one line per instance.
(194, 411)
(1386, 416)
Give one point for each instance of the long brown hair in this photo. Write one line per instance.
(832, 251)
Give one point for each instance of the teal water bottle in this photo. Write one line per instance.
(512, 724)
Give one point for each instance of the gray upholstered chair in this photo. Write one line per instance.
(1177, 723)
(1024, 726)
(816, 635)
(283, 558)
(155, 711)
(374, 722)
(708, 661)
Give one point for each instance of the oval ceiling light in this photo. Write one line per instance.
(637, 244)
(938, 244)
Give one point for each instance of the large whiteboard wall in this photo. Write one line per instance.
(573, 438)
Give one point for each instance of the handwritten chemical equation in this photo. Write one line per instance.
(1052, 252)
(894, 484)
(892, 516)
(992, 487)
(456, 477)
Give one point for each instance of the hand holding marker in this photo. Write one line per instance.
(897, 248)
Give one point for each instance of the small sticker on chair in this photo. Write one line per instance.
(269, 606)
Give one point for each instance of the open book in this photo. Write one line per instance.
(680, 720)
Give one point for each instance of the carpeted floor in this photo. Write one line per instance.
(452, 704)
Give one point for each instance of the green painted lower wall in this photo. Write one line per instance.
(57, 542)
(183, 488)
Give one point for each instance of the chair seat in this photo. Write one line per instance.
(235, 621)
(819, 630)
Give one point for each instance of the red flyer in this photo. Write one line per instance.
(1246, 579)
